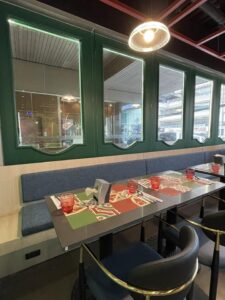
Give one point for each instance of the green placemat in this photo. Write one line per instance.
(81, 219)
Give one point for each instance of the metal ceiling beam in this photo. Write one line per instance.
(222, 55)
(211, 36)
(125, 9)
(140, 16)
(171, 8)
(192, 43)
(186, 12)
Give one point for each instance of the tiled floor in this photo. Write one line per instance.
(202, 284)
(53, 280)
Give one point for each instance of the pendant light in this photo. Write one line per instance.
(149, 36)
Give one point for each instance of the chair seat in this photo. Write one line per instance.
(119, 264)
(206, 246)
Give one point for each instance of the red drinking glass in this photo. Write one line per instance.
(155, 182)
(132, 186)
(190, 174)
(67, 202)
(215, 168)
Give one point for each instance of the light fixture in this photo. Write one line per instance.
(68, 99)
(149, 36)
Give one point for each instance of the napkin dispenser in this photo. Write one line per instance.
(218, 159)
(102, 193)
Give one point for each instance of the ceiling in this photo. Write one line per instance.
(197, 26)
(39, 47)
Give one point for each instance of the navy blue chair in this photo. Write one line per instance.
(139, 272)
(211, 232)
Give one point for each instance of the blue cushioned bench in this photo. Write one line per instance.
(35, 186)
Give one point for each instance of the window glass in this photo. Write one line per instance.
(202, 108)
(221, 132)
(123, 99)
(47, 88)
(170, 104)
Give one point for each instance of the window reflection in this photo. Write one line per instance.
(170, 105)
(47, 89)
(123, 99)
(202, 108)
(221, 132)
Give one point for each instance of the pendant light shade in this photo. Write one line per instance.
(149, 36)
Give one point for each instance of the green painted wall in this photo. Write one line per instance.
(92, 95)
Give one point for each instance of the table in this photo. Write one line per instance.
(186, 191)
(175, 190)
(207, 169)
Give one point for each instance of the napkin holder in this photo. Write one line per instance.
(218, 159)
(102, 193)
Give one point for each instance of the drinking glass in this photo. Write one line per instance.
(132, 186)
(190, 174)
(155, 182)
(67, 202)
(215, 167)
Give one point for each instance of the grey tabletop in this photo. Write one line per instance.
(70, 238)
(207, 169)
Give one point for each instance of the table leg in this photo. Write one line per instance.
(171, 219)
(105, 245)
(79, 287)
(221, 205)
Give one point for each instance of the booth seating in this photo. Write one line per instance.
(35, 186)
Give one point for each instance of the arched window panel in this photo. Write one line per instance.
(170, 104)
(221, 132)
(202, 109)
(46, 70)
(123, 99)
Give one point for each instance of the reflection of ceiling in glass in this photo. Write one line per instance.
(169, 84)
(43, 48)
(128, 79)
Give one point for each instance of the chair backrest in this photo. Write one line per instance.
(215, 221)
(172, 272)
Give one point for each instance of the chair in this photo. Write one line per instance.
(211, 233)
(139, 272)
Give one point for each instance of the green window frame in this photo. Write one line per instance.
(92, 45)
(11, 152)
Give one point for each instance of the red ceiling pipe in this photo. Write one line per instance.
(185, 12)
(192, 43)
(125, 9)
(171, 8)
(211, 36)
(140, 16)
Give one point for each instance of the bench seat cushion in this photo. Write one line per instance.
(35, 218)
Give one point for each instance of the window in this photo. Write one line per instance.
(170, 104)
(123, 99)
(221, 132)
(47, 88)
(202, 108)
